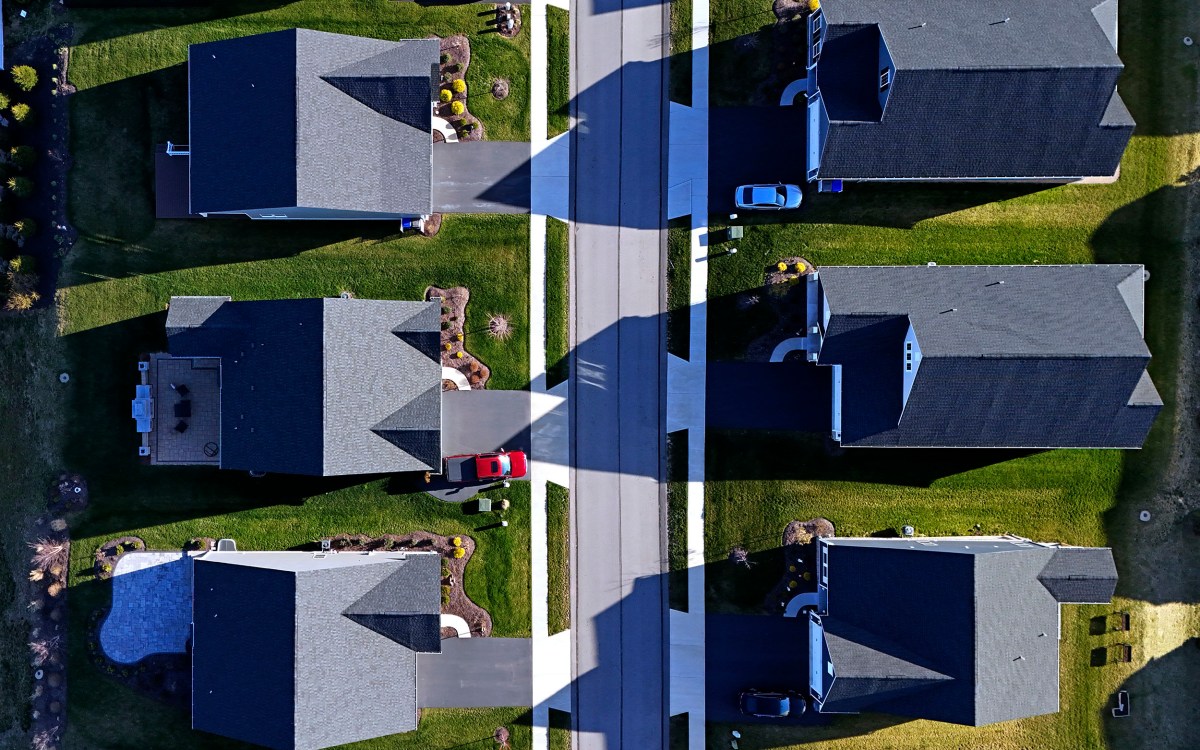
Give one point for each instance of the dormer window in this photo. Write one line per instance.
(885, 79)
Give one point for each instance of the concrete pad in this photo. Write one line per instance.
(483, 421)
(476, 672)
(481, 177)
(151, 606)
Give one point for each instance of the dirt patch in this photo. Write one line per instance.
(784, 293)
(799, 562)
(454, 353)
(454, 599)
(455, 60)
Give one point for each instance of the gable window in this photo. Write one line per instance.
(885, 79)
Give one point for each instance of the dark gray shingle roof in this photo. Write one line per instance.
(312, 119)
(1080, 575)
(319, 386)
(305, 639)
(971, 97)
(1012, 356)
(903, 614)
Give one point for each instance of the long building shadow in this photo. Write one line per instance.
(138, 16)
(1158, 707)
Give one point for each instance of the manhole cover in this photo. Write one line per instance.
(1144, 516)
(63, 377)
(1187, 41)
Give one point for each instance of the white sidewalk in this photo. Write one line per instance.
(550, 458)
(688, 178)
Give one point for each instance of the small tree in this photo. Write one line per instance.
(23, 264)
(21, 112)
(22, 187)
(22, 156)
(25, 77)
(19, 301)
(48, 553)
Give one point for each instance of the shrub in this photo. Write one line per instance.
(21, 112)
(781, 266)
(22, 187)
(445, 95)
(36, 575)
(4, 101)
(445, 58)
(27, 227)
(457, 108)
(456, 541)
(504, 505)
(458, 355)
(445, 568)
(445, 595)
(448, 346)
(23, 264)
(22, 156)
(25, 77)
(459, 553)
(459, 86)
(107, 568)
(801, 268)
(813, 5)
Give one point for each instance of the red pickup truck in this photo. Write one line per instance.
(486, 467)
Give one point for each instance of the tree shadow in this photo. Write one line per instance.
(1158, 707)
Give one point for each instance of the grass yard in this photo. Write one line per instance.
(558, 302)
(558, 536)
(560, 730)
(677, 547)
(138, 48)
(757, 483)
(681, 49)
(30, 420)
(679, 294)
(558, 84)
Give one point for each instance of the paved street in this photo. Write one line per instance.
(619, 614)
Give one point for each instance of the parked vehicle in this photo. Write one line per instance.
(777, 197)
(771, 704)
(486, 467)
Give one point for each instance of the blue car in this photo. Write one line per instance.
(776, 197)
(768, 704)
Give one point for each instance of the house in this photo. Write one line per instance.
(984, 356)
(301, 650)
(302, 124)
(960, 629)
(950, 90)
(321, 387)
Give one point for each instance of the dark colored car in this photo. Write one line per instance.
(771, 704)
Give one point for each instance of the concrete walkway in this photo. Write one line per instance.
(550, 197)
(686, 380)
(459, 624)
(793, 89)
(456, 377)
(151, 606)
(787, 346)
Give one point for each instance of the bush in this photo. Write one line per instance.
(4, 101)
(445, 59)
(26, 227)
(457, 108)
(23, 264)
(459, 553)
(22, 187)
(445, 95)
(21, 112)
(459, 86)
(22, 156)
(25, 77)
(781, 266)
(456, 541)
(801, 268)
(445, 595)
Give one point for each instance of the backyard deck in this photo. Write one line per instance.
(175, 438)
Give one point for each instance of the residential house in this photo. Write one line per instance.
(984, 356)
(960, 629)
(321, 387)
(953, 90)
(302, 650)
(302, 124)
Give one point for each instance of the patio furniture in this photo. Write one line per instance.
(183, 409)
(181, 389)
(1123, 653)
(181, 427)
(1122, 708)
(226, 545)
(1122, 622)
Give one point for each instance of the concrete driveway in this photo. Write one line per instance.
(482, 421)
(752, 651)
(490, 177)
(768, 396)
(753, 145)
(476, 672)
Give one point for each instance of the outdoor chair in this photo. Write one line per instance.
(1122, 621)
(1122, 709)
(181, 427)
(182, 390)
(1124, 653)
(183, 409)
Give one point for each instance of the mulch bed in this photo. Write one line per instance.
(67, 493)
(502, 16)
(456, 50)
(453, 570)
(454, 317)
(48, 598)
(107, 554)
(500, 89)
(431, 226)
(784, 292)
(799, 561)
(166, 678)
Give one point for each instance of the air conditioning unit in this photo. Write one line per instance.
(814, 329)
(812, 356)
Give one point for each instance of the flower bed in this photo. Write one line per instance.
(453, 341)
(799, 562)
(110, 552)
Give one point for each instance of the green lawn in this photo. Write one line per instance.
(560, 730)
(679, 294)
(558, 538)
(757, 483)
(558, 88)
(140, 48)
(677, 547)
(558, 302)
(681, 52)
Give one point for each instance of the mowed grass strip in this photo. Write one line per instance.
(558, 83)
(558, 538)
(558, 302)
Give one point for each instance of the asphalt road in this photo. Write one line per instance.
(618, 390)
